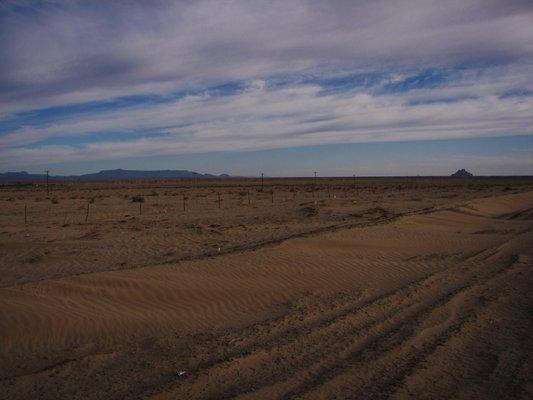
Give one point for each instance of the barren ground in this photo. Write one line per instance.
(378, 288)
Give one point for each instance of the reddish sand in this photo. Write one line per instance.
(432, 302)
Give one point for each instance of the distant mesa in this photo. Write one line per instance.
(113, 174)
(462, 173)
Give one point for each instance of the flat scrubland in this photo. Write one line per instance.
(295, 288)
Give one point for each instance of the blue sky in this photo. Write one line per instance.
(375, 88)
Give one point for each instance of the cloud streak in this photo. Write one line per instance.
(261, 117)
(79, 51)
(284, 57)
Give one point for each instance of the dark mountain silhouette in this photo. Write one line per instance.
(462, 173)
(21, 176)
(113, 174)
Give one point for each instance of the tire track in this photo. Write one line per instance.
(412, 311)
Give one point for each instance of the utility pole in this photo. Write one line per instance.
(47, 190)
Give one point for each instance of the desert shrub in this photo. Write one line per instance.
(154, 193)
(309, 211)
(137, 199)
(91, 200)
(54, 200)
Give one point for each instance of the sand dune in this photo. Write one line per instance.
(430, 305)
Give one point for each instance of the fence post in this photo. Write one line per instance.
(25, 215)
(87, 213)
(218, 193)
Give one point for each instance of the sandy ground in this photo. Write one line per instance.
(370, 292)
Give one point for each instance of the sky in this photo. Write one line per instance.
(403, 87)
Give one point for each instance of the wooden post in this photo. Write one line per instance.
(218, 193)
(272, 195)
(248, 194)
(87, 213)
(262, 181)
(184, 203)
(140, 207)
(25, 215)
(47, 189)
(329, 194)
(293, 194)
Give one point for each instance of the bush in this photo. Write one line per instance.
(54, 200)
(137, 199)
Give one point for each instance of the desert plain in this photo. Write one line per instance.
(366, 288)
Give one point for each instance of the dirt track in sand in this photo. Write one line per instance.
(431, 305)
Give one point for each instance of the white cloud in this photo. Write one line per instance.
(68, 52)
(64, 52)
(259, 117)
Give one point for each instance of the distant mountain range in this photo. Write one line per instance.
(112, 174)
